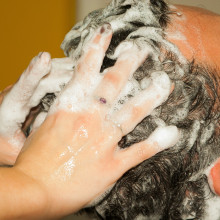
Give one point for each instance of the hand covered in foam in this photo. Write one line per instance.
(16, 102)
(74, 155)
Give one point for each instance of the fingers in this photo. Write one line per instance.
(17, 99)
(161, 139)
(135, 110)
(38, 121)
(87, 73)
(117, 76)
(93, 54)
(214, 178)
(60, 74)
(29, 80)
(30, 119)
(14, 109)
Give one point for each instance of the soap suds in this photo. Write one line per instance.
(164, 136)
(161, 185)
(16, 104)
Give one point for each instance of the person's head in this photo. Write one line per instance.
(172, 184)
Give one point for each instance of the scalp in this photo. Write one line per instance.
(200, 29)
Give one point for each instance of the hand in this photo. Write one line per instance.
(38, 79)
(74, 155)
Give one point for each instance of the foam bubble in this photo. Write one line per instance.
(165, 136)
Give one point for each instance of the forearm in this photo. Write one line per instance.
(20, 196)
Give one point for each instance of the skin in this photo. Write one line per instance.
(11, 136)
(201, 30)
(17, 101)
(73, 157)
(54, 159)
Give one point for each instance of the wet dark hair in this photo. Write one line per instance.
(172, 184)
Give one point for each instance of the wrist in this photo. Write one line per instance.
(21, 197)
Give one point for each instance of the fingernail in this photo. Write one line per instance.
(40, 54)
(106, 28)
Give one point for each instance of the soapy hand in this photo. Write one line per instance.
(16, 101)
(74, 154)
